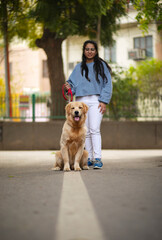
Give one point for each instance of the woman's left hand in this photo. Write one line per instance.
(102, 107)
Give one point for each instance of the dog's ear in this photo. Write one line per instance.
(85, 108)
(67, 108)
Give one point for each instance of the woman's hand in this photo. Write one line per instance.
(67, 86)
(102, 107)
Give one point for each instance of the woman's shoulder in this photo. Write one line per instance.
(78, 65)
(76, 69)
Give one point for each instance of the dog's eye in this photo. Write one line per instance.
(80, 107)
(72, 108)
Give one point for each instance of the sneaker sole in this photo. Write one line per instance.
(97, 167)
(90, 166)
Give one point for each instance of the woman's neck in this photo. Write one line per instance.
(89, 60)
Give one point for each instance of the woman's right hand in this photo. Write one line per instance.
(67, 86)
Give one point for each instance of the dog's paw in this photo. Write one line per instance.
(67, 169)
(77, 169)
(85, 168)
(56, 169)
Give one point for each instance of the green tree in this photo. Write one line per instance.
(148, 11)
(63, 18)
(148, 76)
(125, 94)
(55, 20)
(52, 21)
(9, 11)
(14, 17)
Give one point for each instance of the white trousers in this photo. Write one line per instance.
(93, 123)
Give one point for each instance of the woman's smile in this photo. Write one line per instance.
(90, 52)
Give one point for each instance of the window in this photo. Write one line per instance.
(144, 43)
(110, 53)
(45, 69)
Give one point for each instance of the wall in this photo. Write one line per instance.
(125, 38)
(26, 70)
(46, 135)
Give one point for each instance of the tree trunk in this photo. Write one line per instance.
(98, 30)
(6, 58)
(53, 50)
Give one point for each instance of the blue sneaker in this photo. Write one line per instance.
(97, 163)
(90, 162)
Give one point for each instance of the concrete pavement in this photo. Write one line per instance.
(123, 201)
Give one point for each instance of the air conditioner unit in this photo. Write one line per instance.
(137, 54)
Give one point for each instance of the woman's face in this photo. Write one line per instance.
(90, 52)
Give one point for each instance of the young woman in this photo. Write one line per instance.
(91, 83)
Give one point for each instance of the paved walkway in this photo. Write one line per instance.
(123, 201)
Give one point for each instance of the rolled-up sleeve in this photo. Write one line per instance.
(72, 80)
(72, 85)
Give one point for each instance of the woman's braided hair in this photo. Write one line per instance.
(98, 63)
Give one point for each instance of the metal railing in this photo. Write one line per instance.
(150, 107)
(34, 107)
(37, 107)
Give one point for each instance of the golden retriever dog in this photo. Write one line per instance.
(72, 155)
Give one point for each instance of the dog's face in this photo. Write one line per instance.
(76, 111)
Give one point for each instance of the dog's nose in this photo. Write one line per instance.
(76, 113)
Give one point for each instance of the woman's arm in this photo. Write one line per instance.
(106, 92)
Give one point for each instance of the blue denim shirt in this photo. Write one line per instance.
(80, 86)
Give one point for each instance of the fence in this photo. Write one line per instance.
(37, 107)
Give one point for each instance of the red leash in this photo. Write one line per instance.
(67, 94)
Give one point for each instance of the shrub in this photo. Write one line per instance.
(124, 99)
(148, 77)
